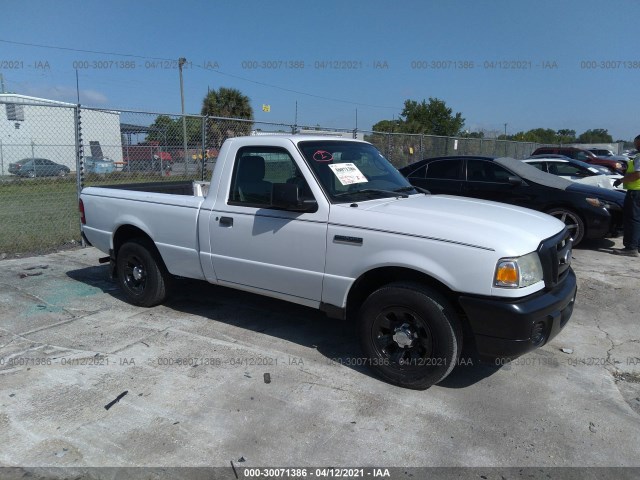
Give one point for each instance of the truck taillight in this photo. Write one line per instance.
(83, 219)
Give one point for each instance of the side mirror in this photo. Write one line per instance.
(515, 181)
(287, 197)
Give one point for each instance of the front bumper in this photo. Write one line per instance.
(598, 222)
(512, 327)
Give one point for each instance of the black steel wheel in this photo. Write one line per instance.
(141, 273)
(410, 334)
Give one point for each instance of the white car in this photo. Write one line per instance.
(576, 171)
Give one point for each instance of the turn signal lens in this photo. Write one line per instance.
(507, 274)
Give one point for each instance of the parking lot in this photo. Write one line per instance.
(216, 375)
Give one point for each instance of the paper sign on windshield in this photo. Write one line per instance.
(348, 173)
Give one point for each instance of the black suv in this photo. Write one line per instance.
(588, 212)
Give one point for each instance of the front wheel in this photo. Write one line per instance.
(572, 220)
(410, 334)
(141, 273)
(62, 173)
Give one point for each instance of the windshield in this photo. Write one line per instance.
(350, 171)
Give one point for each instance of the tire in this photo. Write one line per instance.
(572, 220)
(31, 174)
(62, 173)
(141, 273)
(410, 335)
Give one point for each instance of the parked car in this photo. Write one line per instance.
(588, 212)
(616, 166)
(146, 156)
(155, 164)
(99, 165)
(605, 153)
(575, 170)
(38, 167)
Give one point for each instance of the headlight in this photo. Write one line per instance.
(518, 272)
(596, 202)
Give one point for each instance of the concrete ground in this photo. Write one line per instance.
(217, 375)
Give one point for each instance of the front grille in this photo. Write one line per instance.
(555, 257)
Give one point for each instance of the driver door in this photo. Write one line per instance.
(260, 247)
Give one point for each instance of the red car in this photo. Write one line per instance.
(616, 166)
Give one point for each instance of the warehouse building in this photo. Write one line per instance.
(33, 127)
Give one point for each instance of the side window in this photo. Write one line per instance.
(486, 171)
(578, 156)
(538, 165)
(419, 173)
(567, 169)
(444, 169)
(256, 170)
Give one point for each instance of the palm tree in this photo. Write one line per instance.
(231, 104)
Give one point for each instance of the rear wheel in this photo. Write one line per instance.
(62, 173)
(572, 220)
(141, 273)
(410, 334)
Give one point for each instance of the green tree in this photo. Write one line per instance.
(168, 131)
(566, 135)
(433, 118)
(387, 126)
(472, 134)
(228, 103)
(537, 135)
(596, 135)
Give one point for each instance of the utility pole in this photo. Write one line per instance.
(181, 62)
(505, 131)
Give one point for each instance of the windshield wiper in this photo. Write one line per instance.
(395, 193)
(412, 187)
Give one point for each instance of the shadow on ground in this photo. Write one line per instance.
(335, 339)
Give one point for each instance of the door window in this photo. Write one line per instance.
(538, 165)
(257, 169)
(486, 171)
(444, 169)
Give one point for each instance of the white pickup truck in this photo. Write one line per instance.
(331, 224)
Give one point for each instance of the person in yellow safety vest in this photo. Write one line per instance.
(631, 207)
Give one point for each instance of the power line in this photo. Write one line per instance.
(143, 57)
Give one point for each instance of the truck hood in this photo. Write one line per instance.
(508, 229)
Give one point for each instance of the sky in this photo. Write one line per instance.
(571, 64)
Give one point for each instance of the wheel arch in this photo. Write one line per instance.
(373, 279)
(127, 232)
(571, 208)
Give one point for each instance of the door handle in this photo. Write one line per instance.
(226, 221)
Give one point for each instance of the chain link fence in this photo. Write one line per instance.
(49, 151)
(403, 149)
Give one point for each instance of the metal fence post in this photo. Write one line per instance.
(79, 157)
(205, 122)
(1, 160)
